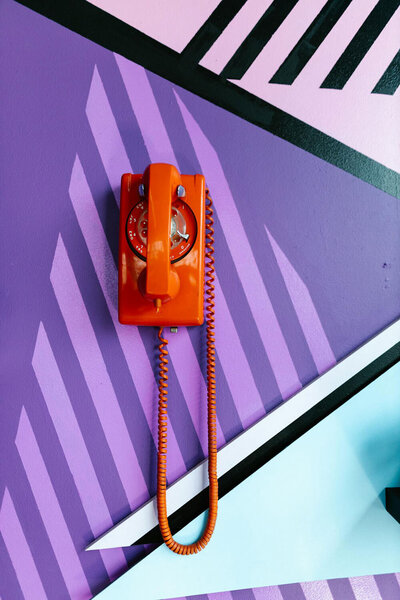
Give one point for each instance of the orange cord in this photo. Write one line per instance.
(211, 409)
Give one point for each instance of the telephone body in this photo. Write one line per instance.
(161, 248)
(166, 263)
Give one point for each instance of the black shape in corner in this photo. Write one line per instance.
(393, 502)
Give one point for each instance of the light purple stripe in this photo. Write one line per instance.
(146, 110)
(250, 277)
(233, 359)
(50, 511)
(186, 363)
(19, 551)
(317, 590)
(310, 323)
(74, 447)
(183, 356)
(131, 343)
(96, 375)
(269, 593)
(192, 384)
(106, 133)
(234, 363)
(365, 587)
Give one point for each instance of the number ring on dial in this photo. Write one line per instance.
(183, 222)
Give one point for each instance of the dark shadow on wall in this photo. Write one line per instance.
(111, 229)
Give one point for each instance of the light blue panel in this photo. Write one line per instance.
(313, 512)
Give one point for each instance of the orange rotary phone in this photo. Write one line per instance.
(166, 249)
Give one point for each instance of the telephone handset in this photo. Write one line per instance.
(166, 248)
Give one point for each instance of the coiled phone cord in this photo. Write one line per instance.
(211, 410)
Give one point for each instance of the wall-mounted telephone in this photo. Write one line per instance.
(166, 248)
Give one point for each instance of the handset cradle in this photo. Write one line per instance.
(162, 252)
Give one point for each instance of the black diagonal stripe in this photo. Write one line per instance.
(257, 38)
(310, 41)
(212, 29)
(390, 80)
(360, 44)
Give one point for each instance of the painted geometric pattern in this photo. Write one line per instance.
(80, 398)
(313, 59)
(378, 587)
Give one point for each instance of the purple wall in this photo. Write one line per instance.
(307, 259)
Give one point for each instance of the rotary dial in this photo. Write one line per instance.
(183, 229)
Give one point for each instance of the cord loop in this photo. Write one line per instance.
(211, 410)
